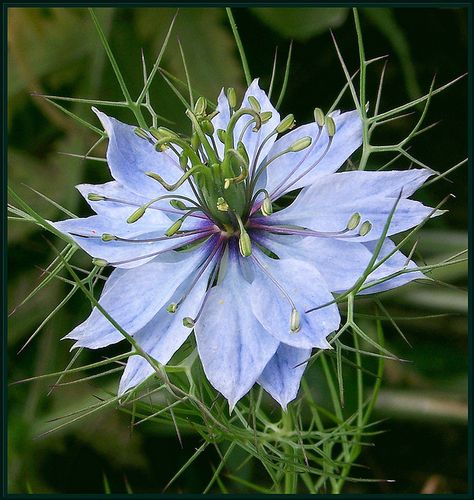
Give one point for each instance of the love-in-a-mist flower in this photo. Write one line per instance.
(191, 227)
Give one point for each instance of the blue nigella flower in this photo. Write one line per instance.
(190, 226)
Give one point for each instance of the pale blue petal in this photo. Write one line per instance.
(395, 263)
(165, 333)
(130, 156)
(347, 139)
(221, 120)
(341, 263)
(234, 348)
(331, 200)
(281, 377)
(304, 285)
(117, 210)
(136, 296)
(253, 140)
(87, 234)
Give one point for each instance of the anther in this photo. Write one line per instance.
(365, 228)
(200, 107)
(287, 123)
(188, 322)
(183, 160)
(353, 222)
(330, 126)
(221, 134)
(141, 133)
(95, 197)
(222, 204)
(138, 214)
(231, 97)
(207, 127)
(295, 324)
(254, 104)
(245, 245)
(300, 144)
(175, 227)
(267, 207)
(108, 237)
(266, 116)
(100, 262)
(319, 117)
(178, 204)
(172, 308)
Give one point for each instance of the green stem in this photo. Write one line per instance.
(238, 42)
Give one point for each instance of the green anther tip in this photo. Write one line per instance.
(266, 116)
(231, 97)
(95, 197)
(140, 133)
(100, 262)
(188, 322)
(222, 205)
(267, 207)
(286, 124)
(174, 228)
(295, 323)
(172, 308)
(330, 126)
(108, 237)
(354, 221)
(183, 160)
(136, 215)
(245, 245)
(221, 135)
(178, 204)
(207, 127)
(365, 228)
(319, 117)
(254, 104)
(300, 144)
(200, 107)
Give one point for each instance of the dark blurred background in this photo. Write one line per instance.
(57, 51)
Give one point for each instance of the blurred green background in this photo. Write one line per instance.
(57, 51)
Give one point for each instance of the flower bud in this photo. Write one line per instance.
(287, 123)
(300, 144)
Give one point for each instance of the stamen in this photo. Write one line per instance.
(295, 317)
(179, 182)
(365, 228)
(254, 103)
(96, 197)
(245, 244)
(286, 124)
(295, 324)
(175, 227)
(178, 204)
(231, 97)
(267, 207)
(354, 221)
(302, 231)
(200, 107)
(221, 135)
(172, 308)
(182, 234)
(222, 205)
(319, 117)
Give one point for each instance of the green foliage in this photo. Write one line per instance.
(317, 445)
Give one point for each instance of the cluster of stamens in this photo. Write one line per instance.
(224, 187)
